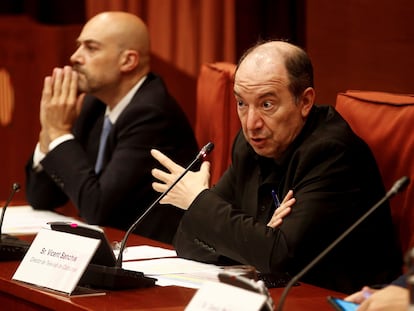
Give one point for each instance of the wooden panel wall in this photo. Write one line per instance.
(28, 51)
(360, 44)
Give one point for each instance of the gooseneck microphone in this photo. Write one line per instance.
(105, 270)
(398, 186)
(202, 154)
(11, 248)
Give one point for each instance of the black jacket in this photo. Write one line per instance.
(335, 180)
(122, 191)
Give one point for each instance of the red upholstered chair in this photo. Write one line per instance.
(216, 115)
(386, 122)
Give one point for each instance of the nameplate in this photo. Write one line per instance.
(221, 296)
(56, 260)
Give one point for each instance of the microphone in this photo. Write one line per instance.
(113, 276)
(15, 188)
(398, 186)
(202, 154)
(11, 248)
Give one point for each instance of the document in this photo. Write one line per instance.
(145, 252)
(180, 272)
(21, 220)
(168, 266)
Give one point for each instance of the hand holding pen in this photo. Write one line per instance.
(282, 209)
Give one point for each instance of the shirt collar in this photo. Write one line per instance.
(123, 103)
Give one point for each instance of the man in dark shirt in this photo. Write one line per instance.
(306, 154)
(112, 67)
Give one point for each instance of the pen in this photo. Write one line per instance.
(275, 198)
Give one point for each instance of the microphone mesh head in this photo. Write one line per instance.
(16, 186)
(400, 184)
(206, 149)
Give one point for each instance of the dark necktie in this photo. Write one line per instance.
(104, 135)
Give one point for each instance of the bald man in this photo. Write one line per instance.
(110, 78)
(299, 178)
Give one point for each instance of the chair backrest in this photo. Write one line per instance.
(216, 114)
(385, 121)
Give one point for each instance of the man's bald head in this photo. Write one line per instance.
(272, 55)
(127, 30)
(113, 54)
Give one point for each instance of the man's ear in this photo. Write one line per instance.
(307, 101)
(129, 60)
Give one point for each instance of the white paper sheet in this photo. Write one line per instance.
(169, 266)
(145, 252)
(176, 271)
(20, 220)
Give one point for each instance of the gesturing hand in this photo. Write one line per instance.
(187, 189)
(282, 211)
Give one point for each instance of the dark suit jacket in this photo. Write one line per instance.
(335, 180)
(401, 281)
(122, 191)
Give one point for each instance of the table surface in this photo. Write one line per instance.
(19, 296)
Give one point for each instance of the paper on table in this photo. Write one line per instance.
(176, 271)
(189, 280)
(145, 252)
(169, 265)
(20, 220)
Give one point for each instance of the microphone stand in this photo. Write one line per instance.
(114, 277)
(11, 248)
(15, 188)
(202, 154)
(398, 186)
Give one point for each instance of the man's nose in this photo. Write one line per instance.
(76, 57)
(253, 119)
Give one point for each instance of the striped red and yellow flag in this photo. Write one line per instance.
(6, 98)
